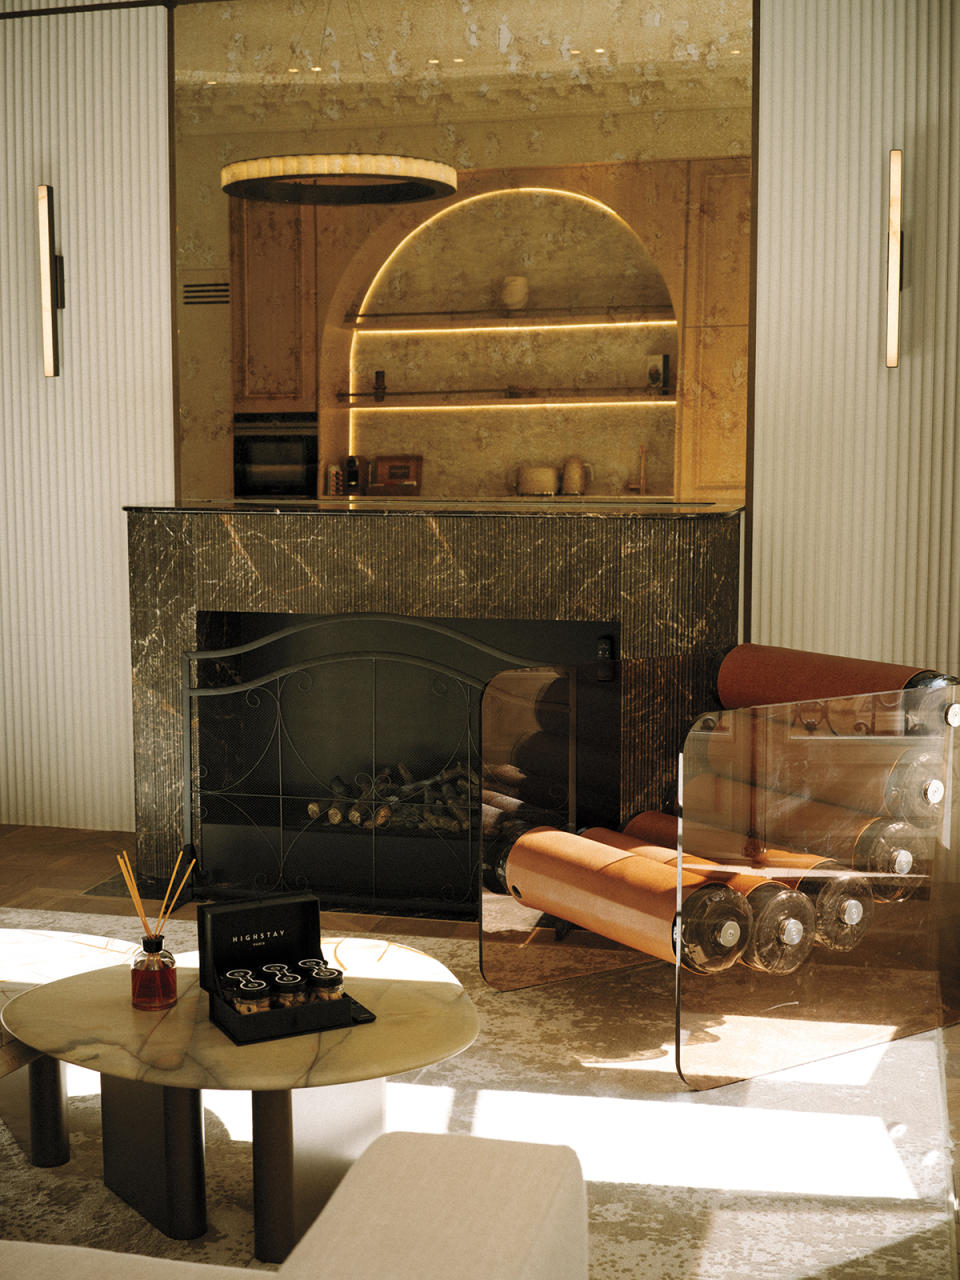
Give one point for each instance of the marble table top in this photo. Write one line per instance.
(422, 1016)
(29, 957)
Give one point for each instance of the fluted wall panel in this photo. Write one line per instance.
(856, 548)
(83, 109)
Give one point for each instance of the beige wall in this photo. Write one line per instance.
(85, 111)
(856, 545)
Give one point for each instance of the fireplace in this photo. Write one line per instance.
(662, 580)
(342, 755)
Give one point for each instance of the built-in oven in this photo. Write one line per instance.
(275, 455)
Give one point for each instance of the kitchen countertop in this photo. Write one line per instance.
(531, 506)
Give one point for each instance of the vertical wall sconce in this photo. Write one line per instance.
(894, 259)
(51, 283)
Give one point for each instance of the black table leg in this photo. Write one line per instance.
(153, 1153)
(33, 1101)
(274, 1209)
(304, 1141)
(49, 1134)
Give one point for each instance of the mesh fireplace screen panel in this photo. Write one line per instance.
(316, 778)
(352, 772)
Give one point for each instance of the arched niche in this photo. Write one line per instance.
(451, 362)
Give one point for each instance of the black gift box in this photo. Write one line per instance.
(248, 935)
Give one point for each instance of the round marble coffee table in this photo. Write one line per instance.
(154, 1066)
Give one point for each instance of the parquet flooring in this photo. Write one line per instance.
(61, 869)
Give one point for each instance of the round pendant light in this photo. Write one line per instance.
(339, 179)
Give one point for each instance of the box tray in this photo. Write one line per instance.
(246, 935)
(274, 1024)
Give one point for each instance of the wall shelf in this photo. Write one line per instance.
(512, 396)
(497, 318)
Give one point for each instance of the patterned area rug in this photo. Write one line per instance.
(840, 1170)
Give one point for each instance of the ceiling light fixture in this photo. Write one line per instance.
(338, 179)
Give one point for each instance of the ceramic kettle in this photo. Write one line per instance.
(577, 476)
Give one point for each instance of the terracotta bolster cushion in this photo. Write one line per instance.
(653, 827)
(602, 886)
(757, 675)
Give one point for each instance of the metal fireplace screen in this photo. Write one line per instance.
(353, 772)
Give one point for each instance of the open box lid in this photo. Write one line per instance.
(247, 934)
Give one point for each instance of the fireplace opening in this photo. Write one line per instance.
(342, 754)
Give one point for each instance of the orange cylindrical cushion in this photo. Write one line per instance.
(653, 827)
(741, 879)
(756, 675)
(629, 899)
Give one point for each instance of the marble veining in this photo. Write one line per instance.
(34, 956)
(422, 1016)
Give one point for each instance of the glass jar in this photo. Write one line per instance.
(325, 984)
(286, 988)
(246, 993)
(153, 975)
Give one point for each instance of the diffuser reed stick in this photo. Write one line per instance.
(163, 905)
(165, 910)
(165, 916)
(132, 889)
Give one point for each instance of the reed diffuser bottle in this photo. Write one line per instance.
(153, 970)
(153, 975)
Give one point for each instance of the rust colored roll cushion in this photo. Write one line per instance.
(653, 827)
(600, 887)
(757, 675)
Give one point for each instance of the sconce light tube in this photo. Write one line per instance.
(894, 259)
(51, 287)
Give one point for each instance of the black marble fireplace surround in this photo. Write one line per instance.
(665, 576)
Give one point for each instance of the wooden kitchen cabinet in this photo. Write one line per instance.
(273, 268)
(712, 436)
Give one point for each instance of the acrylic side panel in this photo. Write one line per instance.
(835, 819)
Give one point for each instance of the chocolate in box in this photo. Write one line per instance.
(248, 935)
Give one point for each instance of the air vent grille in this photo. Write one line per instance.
(207, 294)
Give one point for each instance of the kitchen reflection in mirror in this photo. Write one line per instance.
(501, 327)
